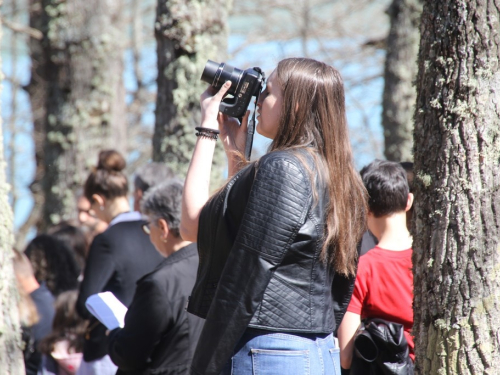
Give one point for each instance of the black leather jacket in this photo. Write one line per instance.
(380, 348)
(259, 243)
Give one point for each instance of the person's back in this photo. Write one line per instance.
(36, 311)
(385, 288)
(159, 335)
(285, 279)
(128, 256)
(117, 258)
(384, 282)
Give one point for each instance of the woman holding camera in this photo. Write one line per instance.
(277, 243)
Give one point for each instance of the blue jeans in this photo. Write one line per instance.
(262, 352)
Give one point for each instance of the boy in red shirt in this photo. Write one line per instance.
(384, 282)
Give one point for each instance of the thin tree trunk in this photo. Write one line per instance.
(11, 358)
(13, 109)
(398, 105)
(457, 157)
(77, 94)
(37, 94)
(187, 34)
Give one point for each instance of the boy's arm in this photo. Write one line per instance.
(346, 333)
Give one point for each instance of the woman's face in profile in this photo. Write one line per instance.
(269, 108)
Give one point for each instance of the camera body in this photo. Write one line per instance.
(244, 85)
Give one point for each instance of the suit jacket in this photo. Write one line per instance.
(118, 257)
(160, 336)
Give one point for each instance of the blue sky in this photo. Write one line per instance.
(364, 124)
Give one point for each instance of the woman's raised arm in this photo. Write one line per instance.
(197, 184)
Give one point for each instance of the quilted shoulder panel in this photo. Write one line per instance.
(277, 206)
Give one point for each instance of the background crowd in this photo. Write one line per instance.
(106, 249)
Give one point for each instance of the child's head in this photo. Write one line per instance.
(387, 187)
(67, 325)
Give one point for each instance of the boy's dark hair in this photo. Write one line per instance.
(387, 187)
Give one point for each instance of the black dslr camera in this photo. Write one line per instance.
(245, 84)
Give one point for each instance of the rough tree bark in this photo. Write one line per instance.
(398, 103)
(187, 34)
(77, 95)
(11, 357)
(457, 158)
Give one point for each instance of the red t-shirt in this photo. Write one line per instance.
(384, 289)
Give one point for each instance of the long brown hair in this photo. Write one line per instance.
(313, 116)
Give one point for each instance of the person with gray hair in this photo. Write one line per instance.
(162, 205)
(147, 176)
(159, 335)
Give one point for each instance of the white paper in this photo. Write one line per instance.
(107, 309)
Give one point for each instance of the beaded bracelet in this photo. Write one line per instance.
(213, 136)
(207, 130)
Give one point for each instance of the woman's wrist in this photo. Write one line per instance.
(210, 124)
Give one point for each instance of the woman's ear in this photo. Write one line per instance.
(162, 224)
(98, 199)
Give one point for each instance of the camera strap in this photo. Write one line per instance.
(251, 121)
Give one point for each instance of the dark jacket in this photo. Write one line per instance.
(380, 348)
(118, 257)
(44, 303)
(259, 242)
(160, 336)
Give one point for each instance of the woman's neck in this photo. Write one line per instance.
(116, 207)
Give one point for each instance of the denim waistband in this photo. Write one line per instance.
(298, 336)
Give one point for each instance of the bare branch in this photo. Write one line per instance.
(23, 29)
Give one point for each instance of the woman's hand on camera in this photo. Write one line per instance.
(210, 101)
(232, 134)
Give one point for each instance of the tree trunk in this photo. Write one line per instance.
(37, 94)
(398, 104)
(187, 34)
(77, 94)
(11, 356)
(457, 156)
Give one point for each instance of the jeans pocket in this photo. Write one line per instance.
(335, 354)
(272, 362)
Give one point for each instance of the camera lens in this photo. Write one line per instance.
(216, 74)
(210, 71)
